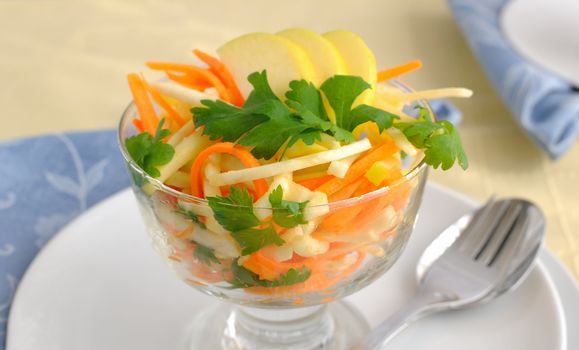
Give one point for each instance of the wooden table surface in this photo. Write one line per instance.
(64, 63)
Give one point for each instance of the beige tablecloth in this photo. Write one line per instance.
(63, 67)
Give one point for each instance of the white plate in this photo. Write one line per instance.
(545, 32)
(98, 285)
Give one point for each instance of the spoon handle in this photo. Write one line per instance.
(416, 308)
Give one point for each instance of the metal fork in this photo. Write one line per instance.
(470, 263)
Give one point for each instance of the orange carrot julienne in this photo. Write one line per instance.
(336, 220)
(397, 71)
(138, 124)
(196, 83)
(195, 72)
(320, 279)
(171, 112)
(221, 71)
(144, 105)
(242, 154)
(346, 192)
(358, 169)
(173, 115)
(315, 182)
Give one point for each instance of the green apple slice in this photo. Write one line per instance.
(324, 56)
(359, 59)
(283, 60)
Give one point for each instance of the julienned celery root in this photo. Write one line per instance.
(185, 130)
(185, 150)
(287, 166)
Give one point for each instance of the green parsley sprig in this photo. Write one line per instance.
(150, 152)
(235, 213)
(439, 139)
(190, 215)
(266, 124)
(205, 254)
(243, 278)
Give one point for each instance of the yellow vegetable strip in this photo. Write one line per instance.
(185, 130)
(435, 93)
(268, 170)
(178, 179)
(185, 150)
(181, 93)
(339, 168)
(401, 141)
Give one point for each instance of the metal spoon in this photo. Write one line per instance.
(476, 259)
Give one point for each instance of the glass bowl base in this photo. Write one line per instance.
(335, 326)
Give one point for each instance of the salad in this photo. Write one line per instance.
(282, 166)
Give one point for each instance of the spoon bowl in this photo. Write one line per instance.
(518, 266)
(479, 257)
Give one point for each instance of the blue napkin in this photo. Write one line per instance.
(545, 106)
(47, 181)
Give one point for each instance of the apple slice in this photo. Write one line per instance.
(283, 60)
(324, 56)
(359, 59)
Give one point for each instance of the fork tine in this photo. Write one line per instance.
(501, 233)
(527, 235)
(477, 221)
(474, 237)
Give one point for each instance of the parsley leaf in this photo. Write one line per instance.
(439, 139)
(205, 255)
(364, 113)
(281, 126)
(291, 277)
(253, 239)
(304, 97)
(150, 152)
(265, 123)
(190, 215)
(243, 278)
(341, 92)
(286, 213)
(234, 212)
(308, 103)
(224, 121)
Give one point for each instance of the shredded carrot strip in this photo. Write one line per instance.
(171, 112)
(196, 83)
(194, 71)
(320, 279)
(315, 182)
(144, 105)
(138, 124)
(242, 154)
(346, 192)
(221, 71)
(336, 220)
(175, 258)
(399, 70)
(358, 169)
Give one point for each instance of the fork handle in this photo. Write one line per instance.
(420, 305)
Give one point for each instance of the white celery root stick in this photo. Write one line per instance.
(179, 92)
(185, 150)
(287, 166)
(435, 93)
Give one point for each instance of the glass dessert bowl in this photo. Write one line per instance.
(281, 177)
(286, 294)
